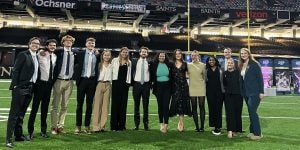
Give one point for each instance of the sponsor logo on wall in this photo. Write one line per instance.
(123, 7)
(67, 4)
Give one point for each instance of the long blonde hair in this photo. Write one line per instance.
(241, 61)
(101, 59)
(127, 59)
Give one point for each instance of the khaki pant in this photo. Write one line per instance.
(101, 105)
(62, 91)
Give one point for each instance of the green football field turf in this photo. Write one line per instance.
(280, 121)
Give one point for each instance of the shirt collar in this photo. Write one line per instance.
(32, 53)
(87, 51)
(67, 49)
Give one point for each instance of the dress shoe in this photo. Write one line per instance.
(30, 136)
(22, 138)
(249, 135)
(87, 130)
(9, 144)
(146, 127)
(136, 128)
(77, 130)
(201, 130)
(44, 135)
(54, 131)
(61, 130)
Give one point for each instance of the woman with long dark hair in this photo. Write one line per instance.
(161, 77)
(214, 93)
(180, 102)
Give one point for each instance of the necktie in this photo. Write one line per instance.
(89, 66)
(143, 72)
(36, 65)
(68, 63)
(225, 67)
(51, 69)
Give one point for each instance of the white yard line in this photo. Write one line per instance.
(270, 117)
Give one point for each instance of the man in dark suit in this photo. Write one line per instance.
(42, 88)
(141, 87)
(63, 84)
(86, 78)
(24, 74)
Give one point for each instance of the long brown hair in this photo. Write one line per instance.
(127, 59)
(241, 61)
(101, 59)
(174, 55)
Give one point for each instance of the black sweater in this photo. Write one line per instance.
(231, 82)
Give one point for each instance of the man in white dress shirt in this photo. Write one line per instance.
(141, 87)
(43, 87)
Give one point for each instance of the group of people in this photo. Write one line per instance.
(179, 87)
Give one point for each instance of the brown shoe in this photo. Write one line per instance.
(61, 130)
(87, 130)
(54, 131)
(77, 130)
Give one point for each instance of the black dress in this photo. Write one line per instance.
(180, 101)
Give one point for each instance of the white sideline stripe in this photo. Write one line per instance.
(74, 114)
(7, 109)
(153, 99)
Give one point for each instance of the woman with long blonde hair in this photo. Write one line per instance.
(121, 80)
(103, 92)
(252, 89)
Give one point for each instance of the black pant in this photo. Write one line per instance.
(21, 97)
(139, 91)
(233, 108)
(163, 96)
(42, 93)
(215, 105)
(87, 88)
(119, 101)
(201, 102)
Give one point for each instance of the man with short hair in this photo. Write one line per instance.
(141, 87)
(24, 75)
(86, 80)
(43, 87)
(63, 84)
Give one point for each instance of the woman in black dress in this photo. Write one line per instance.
(214, 93)
(180, 103)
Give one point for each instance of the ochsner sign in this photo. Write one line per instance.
(67, 4)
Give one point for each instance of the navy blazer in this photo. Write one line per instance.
(253, 83)
(79, 64)
(59, 61)
(23, 70)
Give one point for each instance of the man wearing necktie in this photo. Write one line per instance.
(63, 84)
(141, 87)
(24, 75)
(86, 80)
(43, 87)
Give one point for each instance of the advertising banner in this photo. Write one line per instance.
(254, 14)
(282, 75)
(267, 71)
(66, 4)
(296, 75)
(123, 7)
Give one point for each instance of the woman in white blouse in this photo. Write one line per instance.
(103, 92)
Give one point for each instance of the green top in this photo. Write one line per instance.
(162, 72)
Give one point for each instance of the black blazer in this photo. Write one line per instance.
(153, 76)
(253, 83)
(23, 70)
(133, 69)
(79, 64)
